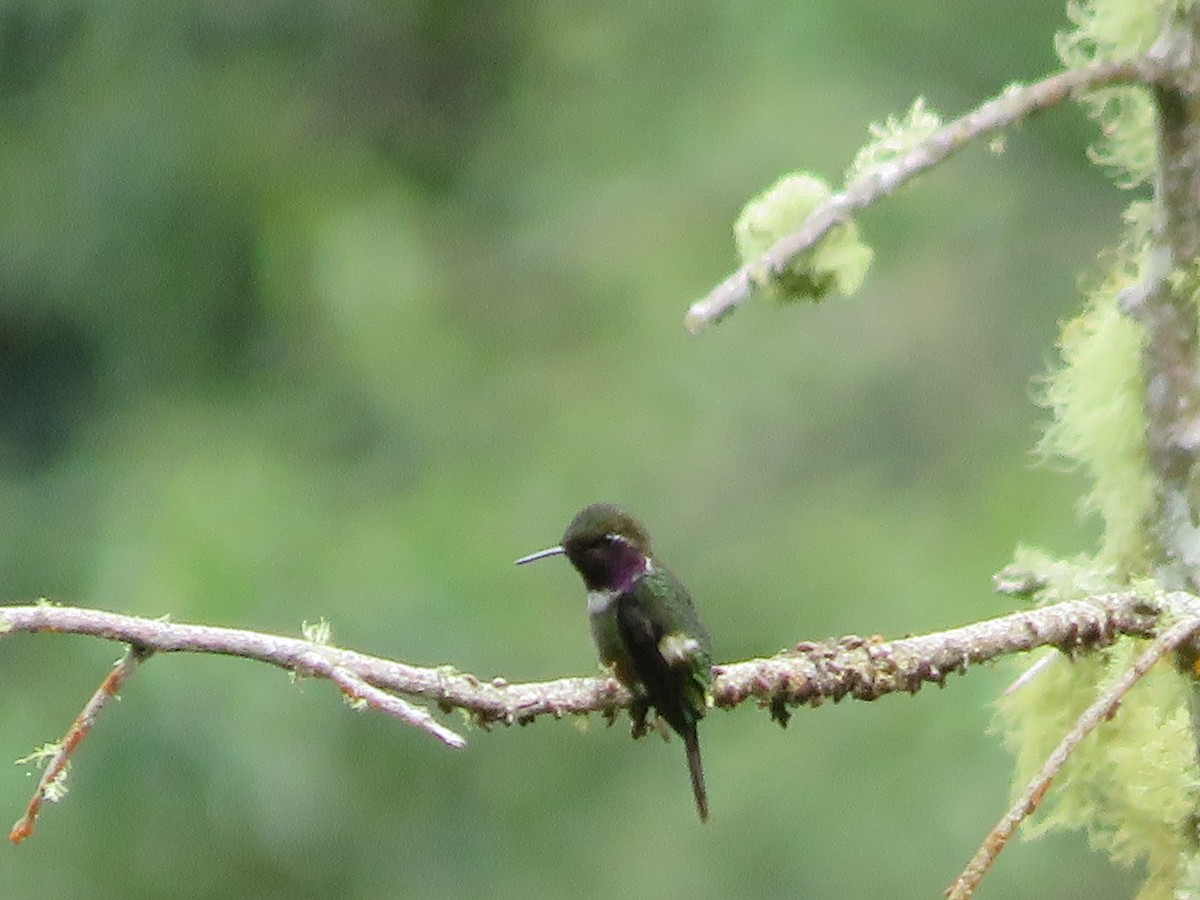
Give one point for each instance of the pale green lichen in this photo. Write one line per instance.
(1097, 401)
(1099, 424)
(1051, 580)
(58, 787)
(319, 632)
(837, 264)
(41, 755)
(892, 139)
(1130, 785)
(1111, 30)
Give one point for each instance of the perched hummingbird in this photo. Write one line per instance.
(643, 623)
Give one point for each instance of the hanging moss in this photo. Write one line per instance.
(837, 264)
(1132, 785)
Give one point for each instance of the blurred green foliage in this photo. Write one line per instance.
(333, 309)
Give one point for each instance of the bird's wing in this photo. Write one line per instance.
(668, 645)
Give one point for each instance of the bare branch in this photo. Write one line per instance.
(1016, 103)
(1104, 708)
(809, 673)
(56, 768)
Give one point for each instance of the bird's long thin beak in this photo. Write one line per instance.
(541, 554)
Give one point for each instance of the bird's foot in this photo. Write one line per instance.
(638, 710)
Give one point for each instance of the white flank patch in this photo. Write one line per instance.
(677, 648)
(600, 601)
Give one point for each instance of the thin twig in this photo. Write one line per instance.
(1032, 672)
(57, 766)
(1104, 708)
(1015, 104)
(356, 689)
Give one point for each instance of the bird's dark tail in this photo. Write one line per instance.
(692, 744)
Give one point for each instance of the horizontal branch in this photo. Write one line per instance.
(809, 673)
(1015, 104)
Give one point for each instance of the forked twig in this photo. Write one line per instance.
(1103, 708)
(355, 690)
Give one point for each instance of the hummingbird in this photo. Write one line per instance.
(643, 624)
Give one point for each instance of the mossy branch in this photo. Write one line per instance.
(1015, 104)
(1166, 307)
(1101, 710)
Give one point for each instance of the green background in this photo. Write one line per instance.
(334, 309)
